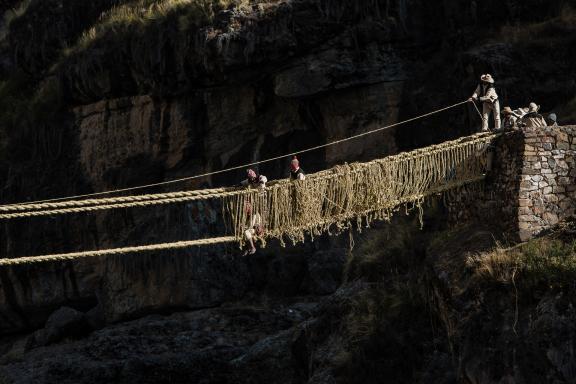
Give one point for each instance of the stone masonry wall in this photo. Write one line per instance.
(493, 202)
(547, 189)
(531, 187)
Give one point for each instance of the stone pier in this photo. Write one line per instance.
(547, 192)
(532, 185)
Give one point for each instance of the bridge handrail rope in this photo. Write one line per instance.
(47, 209)
(33, 204)
(117, 251)
(112, 200)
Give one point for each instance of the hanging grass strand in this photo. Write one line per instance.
(331, 201)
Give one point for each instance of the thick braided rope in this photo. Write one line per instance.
(336, 142)
(116, 251)
(8, 216)
(112, 200)
(188, 196)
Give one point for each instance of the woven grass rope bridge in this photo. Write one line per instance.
(327, 201)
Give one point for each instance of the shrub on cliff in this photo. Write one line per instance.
(546, 263)
(136, 16)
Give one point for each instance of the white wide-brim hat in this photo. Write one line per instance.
(533, 107)
(487, 78)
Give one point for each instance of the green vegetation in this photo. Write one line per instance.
(140, 14)
(11, 15)
(546, 263)
(412, 279)
(28, 104)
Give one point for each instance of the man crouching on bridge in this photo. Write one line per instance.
(254, 228)
(486, 93)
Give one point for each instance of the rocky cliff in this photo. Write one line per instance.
(120, 93)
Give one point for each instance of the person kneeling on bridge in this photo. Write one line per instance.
(254, 180)
(255, 229)
(296, 173)
(486, 93)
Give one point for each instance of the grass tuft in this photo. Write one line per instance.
(549, 263)
(139, 14)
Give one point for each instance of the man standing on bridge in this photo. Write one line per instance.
(486, 93)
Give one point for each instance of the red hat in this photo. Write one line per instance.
(251, 174)
(295, 164)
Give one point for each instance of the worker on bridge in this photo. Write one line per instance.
(254, 228)
(533, 118)
(486, 93)
(254, 180)
(296, 173)
(510, 118)
(552, 120)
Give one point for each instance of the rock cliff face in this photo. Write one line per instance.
(144, 94)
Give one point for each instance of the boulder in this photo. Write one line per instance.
(63, 323)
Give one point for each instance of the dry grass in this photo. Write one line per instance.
(546, 261)
(140, 13)
(11, 15)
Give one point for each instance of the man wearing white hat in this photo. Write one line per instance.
(510, 118)
(533, 118)
(486, 93)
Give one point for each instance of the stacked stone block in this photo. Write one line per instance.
(531, 188)
(493, 203)
(547, 190)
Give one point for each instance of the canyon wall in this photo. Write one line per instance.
(167, 98)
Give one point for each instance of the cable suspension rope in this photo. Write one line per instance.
(116, 251)
(200, 194)
(18, 206)
(92, 205)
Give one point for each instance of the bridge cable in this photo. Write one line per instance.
(244, 166)
(93, 205)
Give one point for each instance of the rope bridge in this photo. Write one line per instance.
(329, 200)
